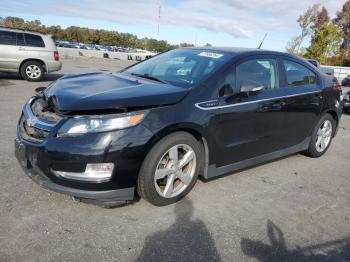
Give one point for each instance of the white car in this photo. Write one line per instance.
(28, 53)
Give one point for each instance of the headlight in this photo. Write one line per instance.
(83, 125)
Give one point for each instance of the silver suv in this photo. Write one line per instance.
(27, 53)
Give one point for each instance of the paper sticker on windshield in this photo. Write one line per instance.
(211, 55)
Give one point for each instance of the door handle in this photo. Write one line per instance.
(21, 49)
(275, 106)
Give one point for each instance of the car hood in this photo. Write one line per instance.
(100, 90)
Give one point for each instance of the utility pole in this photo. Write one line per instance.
(159, 9)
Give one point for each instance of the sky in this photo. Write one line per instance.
(240, 23)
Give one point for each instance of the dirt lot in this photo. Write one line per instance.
(296, 208)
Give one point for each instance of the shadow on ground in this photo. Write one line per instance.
(13, 76)
(338, 250)
(186, 240)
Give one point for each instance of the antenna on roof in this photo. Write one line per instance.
(262, 41)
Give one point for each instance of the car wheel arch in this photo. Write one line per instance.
(334, 115)
(193, 131)
(331, 112)
(32, 59)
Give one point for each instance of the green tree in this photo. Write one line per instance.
(87, 35)
(186, 45)
(325, 43)
(305, 21)
(343, 21)
(320, 19)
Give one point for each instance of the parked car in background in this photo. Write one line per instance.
(159, 124)
(346, 101)
(28, 53)
(346, 81)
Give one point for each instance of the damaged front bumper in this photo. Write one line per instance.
(41, 153)
(32, 171)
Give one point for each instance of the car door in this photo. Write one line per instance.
(303, 98)
(35, 47)
(249, 124)
(9, 57)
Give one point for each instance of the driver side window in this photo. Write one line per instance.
(262, 71)
(228, 85)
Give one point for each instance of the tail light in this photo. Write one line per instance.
(56, 56)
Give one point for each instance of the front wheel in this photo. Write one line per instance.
(170, 169)
(322, 136)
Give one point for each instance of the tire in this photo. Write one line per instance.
(316, 147)
(159, 162)
(32, 71)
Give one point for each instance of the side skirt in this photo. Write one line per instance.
(214, 171)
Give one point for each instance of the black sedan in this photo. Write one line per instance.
(156, 126)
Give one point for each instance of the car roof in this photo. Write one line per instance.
(241, 50)
(236, 50)
(21, 31)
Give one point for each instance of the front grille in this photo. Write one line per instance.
(43, 114)
(30, 133)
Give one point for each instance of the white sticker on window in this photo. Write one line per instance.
(211, 55)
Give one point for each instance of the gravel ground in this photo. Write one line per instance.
(296, 208)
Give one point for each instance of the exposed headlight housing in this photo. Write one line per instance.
(93, 124)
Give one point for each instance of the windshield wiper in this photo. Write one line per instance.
(147, 76)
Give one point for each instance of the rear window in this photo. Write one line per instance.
(34, 40)
(7, 38)
(298, 75)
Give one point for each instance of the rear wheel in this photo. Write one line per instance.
(32, 71)
(322, 136)
(170, 169)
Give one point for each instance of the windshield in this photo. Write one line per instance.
(183, 67)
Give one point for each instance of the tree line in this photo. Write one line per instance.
(330, 38)
(90, 36)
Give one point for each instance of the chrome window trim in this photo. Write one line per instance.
(250, 102)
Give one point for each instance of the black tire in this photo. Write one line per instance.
(146, 185)
(312, 150)
(35, 65)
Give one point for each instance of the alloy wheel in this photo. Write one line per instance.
(33, 71)
(175, 171)
(324, 135)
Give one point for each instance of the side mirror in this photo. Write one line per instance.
(249, 86)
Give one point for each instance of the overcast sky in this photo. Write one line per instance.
(219, 22)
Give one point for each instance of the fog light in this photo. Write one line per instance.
(100, 172)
